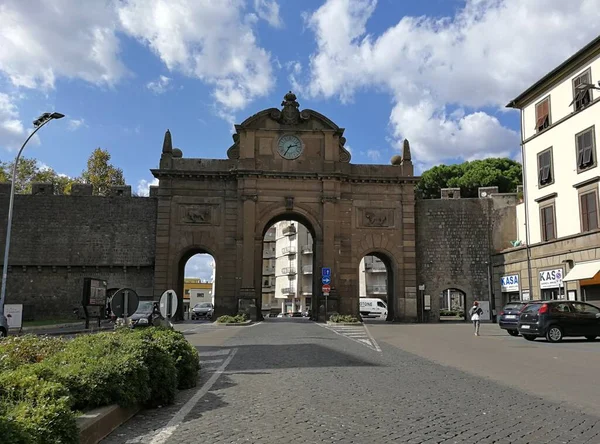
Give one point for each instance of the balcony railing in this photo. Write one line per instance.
(288, 290)
(268, 271)
(289, 250)
(307, 249)
(377, 289)
(290, 230)
(375, 268)
(307, 269)
(307, 291)
(268, 253)
(289, 270)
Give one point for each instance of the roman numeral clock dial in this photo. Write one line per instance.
(290, 147)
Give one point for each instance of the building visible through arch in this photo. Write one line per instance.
(286, 164)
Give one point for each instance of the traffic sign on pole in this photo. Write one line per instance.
(168, 303)
(326, 288)
(124, 302)
(325, 271)
(326, 280)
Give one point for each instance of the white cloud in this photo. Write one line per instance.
(161, 85)
(483, 56)
(204, 39)
(143, 188)
(12, 131)
(200, 266)
(374, 155)
(41, 42)
(75, 124)
(268, 10)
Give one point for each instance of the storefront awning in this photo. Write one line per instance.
(584, 270)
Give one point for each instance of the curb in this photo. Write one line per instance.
(58, 333)
(97, 424)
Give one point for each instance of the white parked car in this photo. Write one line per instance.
(373, 308)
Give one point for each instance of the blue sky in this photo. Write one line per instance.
(437, 72)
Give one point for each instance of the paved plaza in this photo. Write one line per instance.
(295, 381)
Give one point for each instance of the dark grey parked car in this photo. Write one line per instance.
(555, 320)
(509, 317)
(202, 310)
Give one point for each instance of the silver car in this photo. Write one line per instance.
(3, 326)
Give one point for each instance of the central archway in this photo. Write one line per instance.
(286, 273)
(381, 292)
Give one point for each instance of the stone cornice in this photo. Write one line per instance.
(237, 174)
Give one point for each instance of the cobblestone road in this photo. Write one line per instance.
(296, 382)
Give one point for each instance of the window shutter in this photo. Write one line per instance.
(592, 206)
(584, 212)
(587, 156)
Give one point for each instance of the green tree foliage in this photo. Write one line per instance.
(101, 174)
(30, 171)
(504, 173)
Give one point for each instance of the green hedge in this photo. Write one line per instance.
(40, 393)
(226, 319)
(343, 318)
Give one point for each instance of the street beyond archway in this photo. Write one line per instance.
(302, 382)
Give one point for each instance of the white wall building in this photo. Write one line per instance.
(287, 268)
(558, 220)
(372, 278)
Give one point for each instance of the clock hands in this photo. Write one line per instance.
(289, 148)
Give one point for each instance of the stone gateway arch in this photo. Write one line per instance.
(286, 164)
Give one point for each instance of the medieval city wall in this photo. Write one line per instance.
(58, 240)
(455, 240)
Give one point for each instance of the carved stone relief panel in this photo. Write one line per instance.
(375, 218)
(199, 214)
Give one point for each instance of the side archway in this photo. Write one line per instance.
(378, 288)
(460, 297)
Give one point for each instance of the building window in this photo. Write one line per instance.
(548, 224)
(586, 154)
(582, 96)
(588, 207)
(545, 168)
(542, 114)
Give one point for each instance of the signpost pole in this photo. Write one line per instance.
(125, 306)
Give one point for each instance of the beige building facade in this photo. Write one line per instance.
(558, 219)
(286, 165)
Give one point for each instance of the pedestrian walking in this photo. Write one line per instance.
(475, 312)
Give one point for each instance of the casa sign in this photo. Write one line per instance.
(551, 278)
(510, 284)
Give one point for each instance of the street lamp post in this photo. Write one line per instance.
(38, 124)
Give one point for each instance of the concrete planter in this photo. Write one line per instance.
(97, 424)
(235, 324)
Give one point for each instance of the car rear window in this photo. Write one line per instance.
(532, 308)
(513, 306)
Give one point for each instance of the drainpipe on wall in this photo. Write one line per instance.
(526, 199)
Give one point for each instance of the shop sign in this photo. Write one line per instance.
(509, 284)
(551, 278)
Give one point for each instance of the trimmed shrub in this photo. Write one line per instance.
(343, 318)
(184, 355)
(29, 349)
(33, 410)
(226, 319)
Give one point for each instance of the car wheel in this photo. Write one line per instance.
(554, 334)
(513, 332)
(590, 338)
(529, 337)
(2, 333)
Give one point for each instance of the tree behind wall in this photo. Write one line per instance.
(504, 173)
(101, 174)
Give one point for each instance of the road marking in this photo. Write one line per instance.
(214, 353)
(166, 432)
(211, 361)
(363, 338)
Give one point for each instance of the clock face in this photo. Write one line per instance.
(290, 147)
